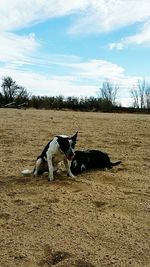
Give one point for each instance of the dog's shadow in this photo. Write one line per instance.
(60, 177)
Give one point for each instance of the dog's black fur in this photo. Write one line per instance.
(91, 159)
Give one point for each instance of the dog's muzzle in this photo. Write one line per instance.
(70, 154)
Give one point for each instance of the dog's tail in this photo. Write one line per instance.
(27, 172)
(115, 163)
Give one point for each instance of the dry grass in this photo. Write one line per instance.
(98, 219)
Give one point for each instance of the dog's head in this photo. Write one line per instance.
(67, 145)
(79, 162)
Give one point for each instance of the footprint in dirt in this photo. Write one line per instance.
(99, 204)
(4, 217)
(54, 258)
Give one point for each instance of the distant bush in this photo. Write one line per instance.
(73, 103)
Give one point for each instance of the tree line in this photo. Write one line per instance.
(14, 95)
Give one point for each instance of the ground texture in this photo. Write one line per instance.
(100, 218)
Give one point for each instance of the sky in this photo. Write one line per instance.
(69, 48)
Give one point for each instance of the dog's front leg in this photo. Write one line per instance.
(68, 165)
(50, 168)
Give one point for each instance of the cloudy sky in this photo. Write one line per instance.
(67, 47)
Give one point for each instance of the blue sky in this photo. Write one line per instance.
(60, 47)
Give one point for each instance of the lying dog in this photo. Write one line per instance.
(91, 159)
(60, 148)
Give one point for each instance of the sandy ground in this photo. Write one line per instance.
(100, 218)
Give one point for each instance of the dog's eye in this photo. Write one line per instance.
(73, 144)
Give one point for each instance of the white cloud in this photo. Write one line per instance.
(15, 48)
(18, 14)
(141, 38)
(91, 15)
(118, 46)
(96, 69)
(105, 16)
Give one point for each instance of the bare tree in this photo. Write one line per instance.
(141, 95)
(135, 97)
(147, 97)
(109, 92)
(142, 89)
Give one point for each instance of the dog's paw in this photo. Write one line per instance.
(50, 179)
(70, 175)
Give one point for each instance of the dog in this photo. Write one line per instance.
(60, 148)
(91, 159)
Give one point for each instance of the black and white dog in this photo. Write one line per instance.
(60, 148)
(91, 159)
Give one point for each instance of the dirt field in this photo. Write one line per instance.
(100, 218)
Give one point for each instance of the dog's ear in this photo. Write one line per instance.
(74, 137)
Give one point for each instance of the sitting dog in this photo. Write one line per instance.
(60, 148)
(91, 159)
